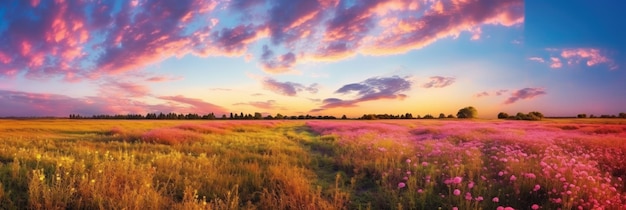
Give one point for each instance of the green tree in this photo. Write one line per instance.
(467, 112)
(503, 115)
(258, 116)
(442, 115)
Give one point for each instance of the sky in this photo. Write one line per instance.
(317, 57)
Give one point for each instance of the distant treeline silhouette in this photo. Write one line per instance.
(194, 116)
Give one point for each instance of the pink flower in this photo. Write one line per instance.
(455, 208)
(513, 178)
(420, 191)
(500, 208)
(401, 185)
(495, 199)
(508, 208)
(457, 192)
(408, 160)
(534, 207)
(537, 187)
(424, 164)
(479, 198)
(500, 173)
(470, 185)
(457, 180)
(468, 196)
(405, 178)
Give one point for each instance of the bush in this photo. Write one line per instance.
(467, 112)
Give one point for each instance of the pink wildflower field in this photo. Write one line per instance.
(486, 164)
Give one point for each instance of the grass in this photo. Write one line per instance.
(403, 164)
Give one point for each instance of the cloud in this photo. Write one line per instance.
(375, 88)
(269, 104)
(555, 63)
(494, 93)
(537, 59)
(591, 55)
(443, 19)
(481, 94)
(280, 64)
(194, 105)
(26, 104)
(500, 92)
(526, 93)
(74, 40)
(221, 89)
(439, 82)
(571, 56)
(161, 79)
(287, 88)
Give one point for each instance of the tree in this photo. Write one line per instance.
(503, 115)
(442, 115)
(622, 115)
(279, 116)
(451, 116)
(467, 112)
(428, 116)
(344, 117)
(258, 116)
(535, 115)
(582, 116)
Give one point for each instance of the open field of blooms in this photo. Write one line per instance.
(395, 164)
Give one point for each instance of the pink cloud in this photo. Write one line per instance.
(89, 39)
(500, 92)
(25, 104)
(287, 88)
(444, 19)
(160, 79)
(439, 82)
(123, 89)
(526, 93)
(270, 104)
(555, 63)
(591, 55)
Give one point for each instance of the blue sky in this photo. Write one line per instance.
(318, 57)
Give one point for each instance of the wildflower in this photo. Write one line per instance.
(495, 199)
(457, 192)
(420, 191)
(500, 208)
(470, 185)
(500, 173)
(408, 160)
(424, 164)
(405, 178)
(534, 207)
(468, 196)
(479, 198)
(508, 208)
(537, 187)
(401, 185)
(457, 180)
(455, 208)
(513, 178)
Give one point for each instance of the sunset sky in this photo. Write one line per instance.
(317, 57)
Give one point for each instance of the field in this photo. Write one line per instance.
(395, 164)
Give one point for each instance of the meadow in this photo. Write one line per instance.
(341, 164)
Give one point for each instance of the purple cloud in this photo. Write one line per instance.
(287, 88)
(526, 93)
(439, 82)
(369, 90)
(481, 94)
(280, 64)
